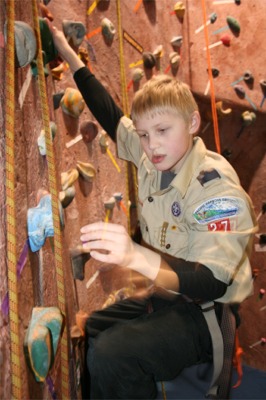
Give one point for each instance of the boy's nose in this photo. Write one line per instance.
(153, 143)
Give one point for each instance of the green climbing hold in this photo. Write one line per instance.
(233, 24)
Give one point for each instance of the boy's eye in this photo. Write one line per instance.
(143, 135)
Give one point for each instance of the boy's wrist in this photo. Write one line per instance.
(145, 262)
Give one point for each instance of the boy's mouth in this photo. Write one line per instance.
(157, 159)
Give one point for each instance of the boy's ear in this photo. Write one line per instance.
(195, 122)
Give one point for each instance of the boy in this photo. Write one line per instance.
(196, 222)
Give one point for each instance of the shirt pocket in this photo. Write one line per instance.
(172, 240)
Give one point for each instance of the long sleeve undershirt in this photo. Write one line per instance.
(196, 280)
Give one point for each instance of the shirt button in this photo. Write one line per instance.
(150, 199)
(147, 229)
(168, 246)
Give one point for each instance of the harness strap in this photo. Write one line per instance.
(217, 345)
(228, 328)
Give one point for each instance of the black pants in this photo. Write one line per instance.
(132, 347)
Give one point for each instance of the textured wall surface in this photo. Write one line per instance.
(151, 25)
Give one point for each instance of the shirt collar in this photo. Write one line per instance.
(182, 180)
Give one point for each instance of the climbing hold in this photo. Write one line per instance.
(57, 72)
(45, 12)
(40, 220)
(248, 77)
(110, 203)
(262, 240)
(41, 138)
(118, 196)
(179, 9)
(215, 72)
(137, 74)
(88, 130)
(86, 170)
(158, 51)
(261, 293)
(74, 31)
(57, 99)
(68, 178)
(108, 29)
(221, 112)
(25, 43)
(72, 102)
(226, 39)
(48, 47)
(174, 58)
(66, 196)
(233, 24)
(240, 91)
(263, 86)
(81, 319)
(84, 55)
(177, 41)
(248, 118)
(41, 340)
(149, 60)
(79, 256)
(103, 141)
(213, 18)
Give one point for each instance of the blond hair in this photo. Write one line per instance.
(163, 93)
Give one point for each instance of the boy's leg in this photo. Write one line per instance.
(121, 311)
(129, 357)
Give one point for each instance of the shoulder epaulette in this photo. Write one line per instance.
(207, 176)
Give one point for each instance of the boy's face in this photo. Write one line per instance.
(166, 138)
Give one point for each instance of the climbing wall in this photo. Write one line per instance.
(140, 26)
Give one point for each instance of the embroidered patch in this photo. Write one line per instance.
(217, 208)
(221, 225)
(176, 210)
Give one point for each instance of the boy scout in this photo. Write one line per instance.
(196, 222)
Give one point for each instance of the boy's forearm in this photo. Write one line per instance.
(73, 60)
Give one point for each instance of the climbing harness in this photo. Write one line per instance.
(10, 205)
(55, 209)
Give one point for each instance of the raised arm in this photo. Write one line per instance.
(97, 98)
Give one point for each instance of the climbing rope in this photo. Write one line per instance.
(55, 203)
(10, 204)
(212, 91)
(125, 105)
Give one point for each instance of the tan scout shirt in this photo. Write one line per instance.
(198, 217)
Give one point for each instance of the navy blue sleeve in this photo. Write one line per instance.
(98, 100)
(196, 281)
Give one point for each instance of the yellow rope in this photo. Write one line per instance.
(55, 209)
(124, 93)
(10, 204)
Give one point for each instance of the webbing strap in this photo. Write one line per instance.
(228, 328)
(10, 205)
(55, 202)
(217, 345)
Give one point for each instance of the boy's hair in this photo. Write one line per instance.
(163, 93)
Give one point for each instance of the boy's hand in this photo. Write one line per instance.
(108, 243)
(111, 243)
(64, 49)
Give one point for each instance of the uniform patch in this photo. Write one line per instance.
(218, 208)
(221, 225)
(176, 210)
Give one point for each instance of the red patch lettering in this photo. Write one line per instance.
(222, 225)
